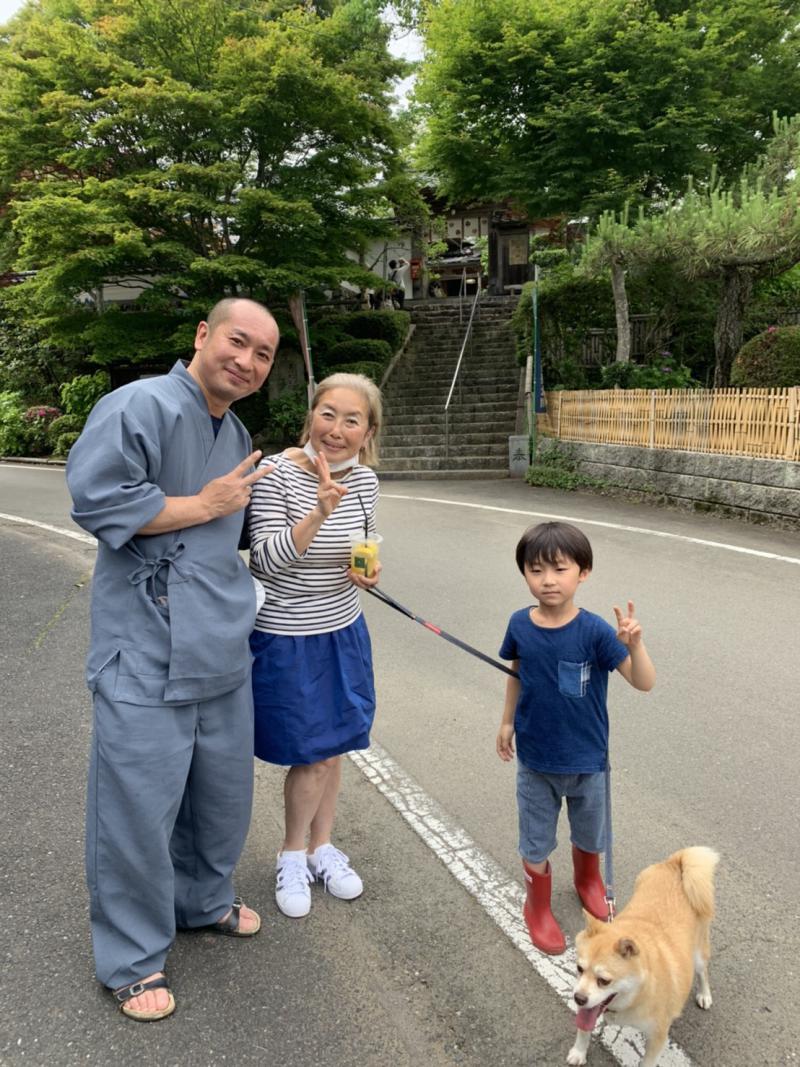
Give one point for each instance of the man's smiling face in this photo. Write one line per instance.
(233, 359)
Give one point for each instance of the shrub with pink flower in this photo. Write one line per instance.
(36, 420)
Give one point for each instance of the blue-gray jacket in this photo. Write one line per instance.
(176, 608)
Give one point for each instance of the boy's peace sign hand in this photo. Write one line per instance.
(629, 631)
(329, 492)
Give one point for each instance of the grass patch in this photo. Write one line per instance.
(555, 466)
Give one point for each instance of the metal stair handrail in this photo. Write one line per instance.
(462, 290)
(467, 337)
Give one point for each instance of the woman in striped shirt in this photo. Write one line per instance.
(312, 671)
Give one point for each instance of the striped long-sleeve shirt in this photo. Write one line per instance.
(309, 593)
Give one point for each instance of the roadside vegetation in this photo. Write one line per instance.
(190, 150)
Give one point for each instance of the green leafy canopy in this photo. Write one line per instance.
(206, 146)
(574, 106)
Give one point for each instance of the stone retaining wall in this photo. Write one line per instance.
(759, 490)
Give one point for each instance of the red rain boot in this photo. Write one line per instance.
(542, 926)
(590, 886)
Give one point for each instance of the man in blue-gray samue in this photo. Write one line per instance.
(160, 476)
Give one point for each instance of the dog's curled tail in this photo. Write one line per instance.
(697, 866)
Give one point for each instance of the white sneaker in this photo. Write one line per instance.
(329, 865)
(292, 891)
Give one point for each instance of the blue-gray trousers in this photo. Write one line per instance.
(169, 801)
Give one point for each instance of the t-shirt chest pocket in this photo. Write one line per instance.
(573, 678)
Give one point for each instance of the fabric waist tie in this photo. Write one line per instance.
(150, 570)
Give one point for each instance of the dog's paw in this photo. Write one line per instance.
(703, 1000)
(576, 1058)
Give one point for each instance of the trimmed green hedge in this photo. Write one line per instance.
(366, 367)
(770, 360)
(357, 350)
(64, 424)
(389, 326)
(64, 443)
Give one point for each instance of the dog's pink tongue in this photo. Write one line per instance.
(586, 1018)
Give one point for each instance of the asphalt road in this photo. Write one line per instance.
(418, 972)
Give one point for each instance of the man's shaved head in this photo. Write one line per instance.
(234, 350)
(222, 309)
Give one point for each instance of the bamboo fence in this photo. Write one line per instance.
(760, 423)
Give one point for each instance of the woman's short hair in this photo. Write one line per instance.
(548, 541)
(359, 383)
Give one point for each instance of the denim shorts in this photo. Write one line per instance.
(539, 803)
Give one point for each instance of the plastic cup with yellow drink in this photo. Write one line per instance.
(364, 552)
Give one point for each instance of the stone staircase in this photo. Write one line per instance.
(482, 411)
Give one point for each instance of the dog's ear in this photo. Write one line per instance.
(593, 926)
(627, 948)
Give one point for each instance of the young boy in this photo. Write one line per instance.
(557, 708)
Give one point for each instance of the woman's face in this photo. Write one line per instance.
(340, 424)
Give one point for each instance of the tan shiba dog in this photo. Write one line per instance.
(639, 968)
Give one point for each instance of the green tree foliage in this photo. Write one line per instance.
(569, 306)
(771, 360)
(577, 106)
(729, 236)
(80, 395)
(30, 365)
(203, 146)
(573, 302)
(611, 248)
(12, 424)
(734, 235)
(776, 302)
(287, 415)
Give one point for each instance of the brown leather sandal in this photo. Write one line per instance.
(230, 924)
(135, 989)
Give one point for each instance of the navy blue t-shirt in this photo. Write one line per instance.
(561, 721)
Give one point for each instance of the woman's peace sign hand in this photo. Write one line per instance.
(629, 632)
(329, 492)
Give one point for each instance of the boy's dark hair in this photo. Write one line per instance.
(549, 540)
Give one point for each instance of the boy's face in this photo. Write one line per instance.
(554, 584)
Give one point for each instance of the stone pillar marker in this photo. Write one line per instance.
(518, 457)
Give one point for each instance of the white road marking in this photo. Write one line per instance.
(51, 529)
(597, 522)
(501, 897)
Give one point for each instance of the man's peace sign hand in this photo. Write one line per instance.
(629, 632)
(232, 492)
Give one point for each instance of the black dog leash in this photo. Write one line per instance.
(380, 595)
(609, 859)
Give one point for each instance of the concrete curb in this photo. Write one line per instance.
(34, 461)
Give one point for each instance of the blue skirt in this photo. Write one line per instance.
(314, 695)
